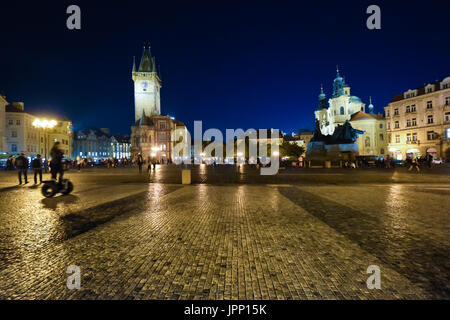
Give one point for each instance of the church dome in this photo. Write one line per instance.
(355, 99)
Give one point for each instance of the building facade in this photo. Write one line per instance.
(418, 121)
(21, 135)
(120, 146)
(151, 132)
(93, 144)
(374, 140)
(61, 132)
(3, 140)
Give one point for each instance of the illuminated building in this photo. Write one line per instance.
(418, 121)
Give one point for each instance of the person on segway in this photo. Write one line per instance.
(52, 187)
(56, 164)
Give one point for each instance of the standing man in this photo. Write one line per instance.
(140, 162)
(36, 165)
(429, 160)
(56, 164)
(22, 167)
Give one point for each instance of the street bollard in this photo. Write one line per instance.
(186, 176)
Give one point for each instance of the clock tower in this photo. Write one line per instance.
(147, 85)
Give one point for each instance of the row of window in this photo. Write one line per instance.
(11, 122)
(413, 122)
(412, 108)
(412, 137)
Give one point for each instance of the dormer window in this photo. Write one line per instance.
(445, 84)
(429, 88)
(410, 94)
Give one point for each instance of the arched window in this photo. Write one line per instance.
(382, 151)
(342, 110)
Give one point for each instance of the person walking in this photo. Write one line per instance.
(140, 162)
(22, 167)
(429, 160)
(149, 164)
(79, 162)
(56, 164)
(414, 164)
(36, 165)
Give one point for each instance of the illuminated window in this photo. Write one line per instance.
(396, 112)
(397, 139)
(430, 119)
(408, 109)
(413, 108)
(429, 104)
(414, 122)
(397, 125)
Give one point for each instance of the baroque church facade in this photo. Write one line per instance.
(342, 107)
(151, 132)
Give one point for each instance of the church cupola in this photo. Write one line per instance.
(338, 85)
(371, 107)
(322, 99)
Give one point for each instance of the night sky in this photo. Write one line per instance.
(232, 64)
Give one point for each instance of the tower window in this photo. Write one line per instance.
(342, 110)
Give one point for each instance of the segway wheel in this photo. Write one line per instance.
(68, 187)
(49, 190)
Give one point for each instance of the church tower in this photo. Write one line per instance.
(147, 85)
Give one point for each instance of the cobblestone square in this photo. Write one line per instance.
(230, 235)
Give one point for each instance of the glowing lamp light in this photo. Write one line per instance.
(239, 154)
(47, 124)
(155, 149)
(276, 153)
(153, 154)
(203, 154)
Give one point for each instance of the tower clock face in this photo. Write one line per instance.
(145, 84)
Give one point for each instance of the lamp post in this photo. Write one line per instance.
(44, 124)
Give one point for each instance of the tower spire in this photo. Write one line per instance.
(134, 64)
(371, 107)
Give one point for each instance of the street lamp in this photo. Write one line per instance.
(44, 124)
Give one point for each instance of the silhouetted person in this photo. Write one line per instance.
(36, 165)
(56, 164)
(22, 167)
(140, 162)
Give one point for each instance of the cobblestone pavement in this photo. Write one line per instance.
(138, 240)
